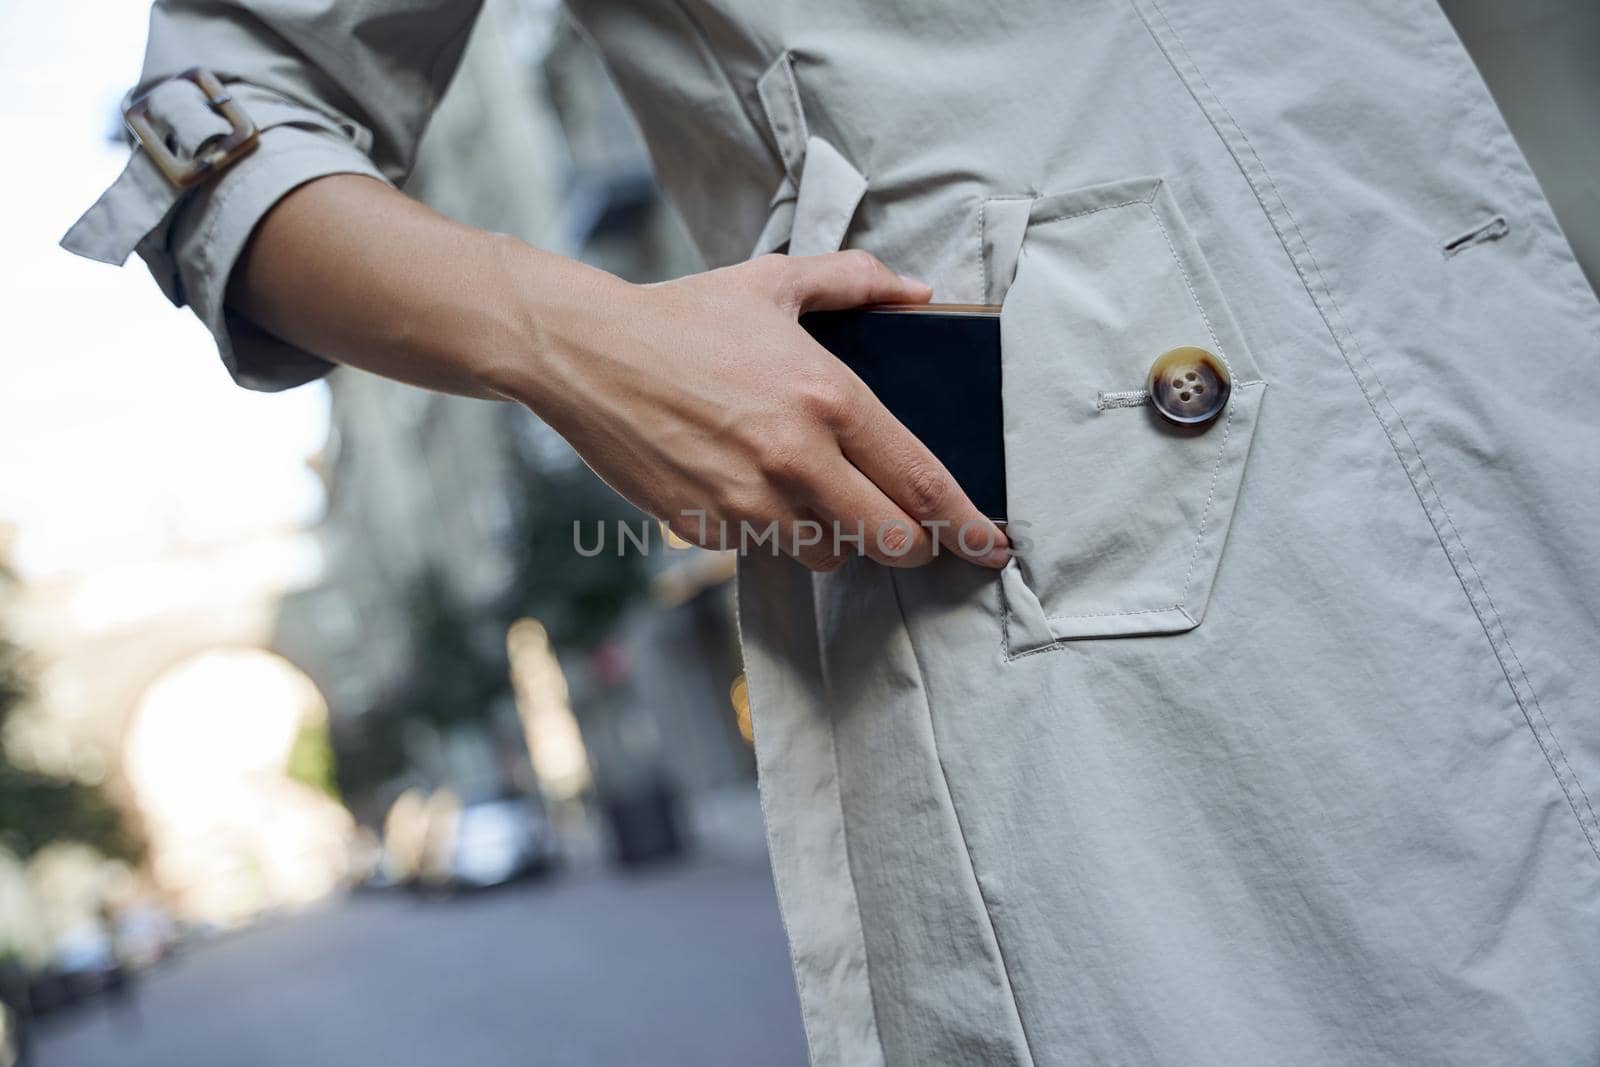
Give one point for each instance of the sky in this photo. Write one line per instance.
(121, 436)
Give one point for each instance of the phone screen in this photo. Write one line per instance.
(936, 367)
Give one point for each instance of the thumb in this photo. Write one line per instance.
(847, 280)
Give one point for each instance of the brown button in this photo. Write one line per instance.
(1188, 386)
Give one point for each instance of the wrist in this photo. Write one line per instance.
(540, 315)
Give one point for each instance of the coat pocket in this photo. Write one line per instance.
(1119, 514)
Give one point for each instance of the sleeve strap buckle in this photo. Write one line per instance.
(212, 155)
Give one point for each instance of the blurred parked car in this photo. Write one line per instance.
(499, 840)
(84, 966)
(14, 1016)
(441, 842)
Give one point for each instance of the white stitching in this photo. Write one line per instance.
(1091, 211)
(1205, 511)
(1132, 398)
(983, 248)
(983, 237)
(790, 154)
(1199, 536)
(1189, 284)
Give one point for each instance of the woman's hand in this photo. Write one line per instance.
(705, 404)
(700, 400)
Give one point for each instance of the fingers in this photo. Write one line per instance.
(844, 280)
(908, 474)
(809, 539)
(863, 521)
(834, 510)
(894, 462)
(829, 470)
(820, 515)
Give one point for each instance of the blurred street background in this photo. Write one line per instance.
(678, 965)
(319, 742)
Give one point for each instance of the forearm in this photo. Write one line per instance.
(357, 272)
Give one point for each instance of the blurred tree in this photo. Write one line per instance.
(369, 759)
(311, 760)
(15, 675)
(580, 600)
(459, 663)
(37, 809)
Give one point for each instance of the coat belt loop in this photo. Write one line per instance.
(786, 119)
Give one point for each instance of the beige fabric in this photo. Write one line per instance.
(1278, 743)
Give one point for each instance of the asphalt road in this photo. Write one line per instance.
(682, 965)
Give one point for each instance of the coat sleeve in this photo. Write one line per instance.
(335, 86)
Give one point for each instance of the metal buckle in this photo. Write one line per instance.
(212, 155)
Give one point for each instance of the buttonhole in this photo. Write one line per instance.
(1130, 398)
(1491, 229)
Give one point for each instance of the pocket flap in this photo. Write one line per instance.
(1120, 514)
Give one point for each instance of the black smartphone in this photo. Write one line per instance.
(936, 367)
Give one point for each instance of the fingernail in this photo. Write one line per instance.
(998, 558)
(918, 282)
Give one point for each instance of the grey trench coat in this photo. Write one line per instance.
(1280, 741)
